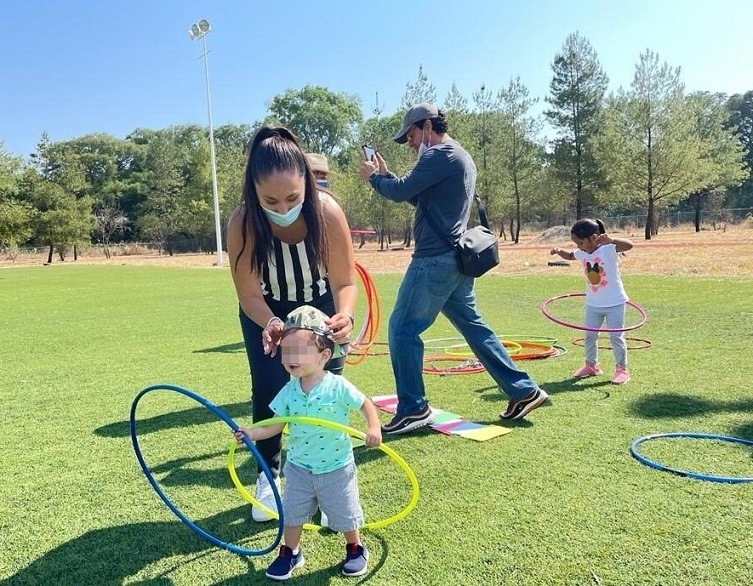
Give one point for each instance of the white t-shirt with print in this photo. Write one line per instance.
(603, 281)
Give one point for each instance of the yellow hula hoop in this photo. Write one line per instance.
(511, 347)
(351, 432)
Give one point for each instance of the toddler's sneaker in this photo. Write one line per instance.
(286, 562)
(588, 370)
(621, 376)
(356, 558)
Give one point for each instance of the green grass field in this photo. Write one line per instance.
(559, 501)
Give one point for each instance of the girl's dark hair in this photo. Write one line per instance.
(321, 341)
(278, 150)
(438, 123)
(586, 228)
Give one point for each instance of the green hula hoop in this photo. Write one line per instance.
(511, 347)
(345, 429)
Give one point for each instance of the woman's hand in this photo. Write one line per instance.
(271, 336)
(341, 325)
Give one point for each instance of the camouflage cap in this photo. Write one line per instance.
(313, 319)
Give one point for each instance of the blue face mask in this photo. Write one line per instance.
(323, 183)
(284, 220)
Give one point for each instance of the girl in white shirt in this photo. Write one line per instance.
(605, 295)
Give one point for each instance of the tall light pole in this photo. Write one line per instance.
(196, 32)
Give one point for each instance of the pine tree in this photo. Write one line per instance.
(577, 93)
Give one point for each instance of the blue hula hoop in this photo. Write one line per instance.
(249, 444)
(697, 476)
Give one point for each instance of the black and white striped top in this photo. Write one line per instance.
(288, 276)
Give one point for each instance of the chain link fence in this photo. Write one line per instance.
(715, 219)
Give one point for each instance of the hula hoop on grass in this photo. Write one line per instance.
(358, 351)
(351, 432)
(511, 347)
(548, 302)
(428, 343)
(643, 343)
(234, 426)
(561, 351)
(535, 351)
(697, 476)
(523, 340)
(469, 366)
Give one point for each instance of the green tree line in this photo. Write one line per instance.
(646, 148)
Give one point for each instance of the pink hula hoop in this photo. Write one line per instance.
(545, 308)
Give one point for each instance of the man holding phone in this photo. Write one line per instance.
(441, 186)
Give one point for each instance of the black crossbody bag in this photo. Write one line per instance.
(477, 249)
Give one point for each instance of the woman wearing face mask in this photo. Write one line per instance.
(441, 187)
(289, 245)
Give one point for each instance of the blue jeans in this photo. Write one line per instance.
(432, 285)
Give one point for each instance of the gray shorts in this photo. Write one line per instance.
(335, 493)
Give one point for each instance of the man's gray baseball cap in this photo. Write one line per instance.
(419, 112)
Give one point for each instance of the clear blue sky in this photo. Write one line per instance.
(72, 68)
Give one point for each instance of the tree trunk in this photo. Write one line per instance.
(516, 235)
(502, 232)
(650, 192)
(49, 255)
(75, 252)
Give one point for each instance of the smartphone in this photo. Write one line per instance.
(369, 152)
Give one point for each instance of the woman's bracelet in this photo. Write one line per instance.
(272, 319)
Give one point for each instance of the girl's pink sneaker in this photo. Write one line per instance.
(588, 370)
(621, 376)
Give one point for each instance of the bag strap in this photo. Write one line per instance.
(483, 219)
(481, 211)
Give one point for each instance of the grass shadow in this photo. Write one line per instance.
(224, 349)
(681, 405)
(110, 556)
(182, 418)
(744, 431)
(175, 472)
(552, 388)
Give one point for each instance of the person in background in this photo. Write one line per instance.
(441, 185)
(289, 245)
(606, 299)
(320, 168)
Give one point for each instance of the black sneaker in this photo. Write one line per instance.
(286, 562)
(406, 423)
(356, 558)
(519, 409)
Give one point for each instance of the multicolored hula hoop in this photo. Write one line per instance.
(548, 302)
(351, 432)
(178, 513)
